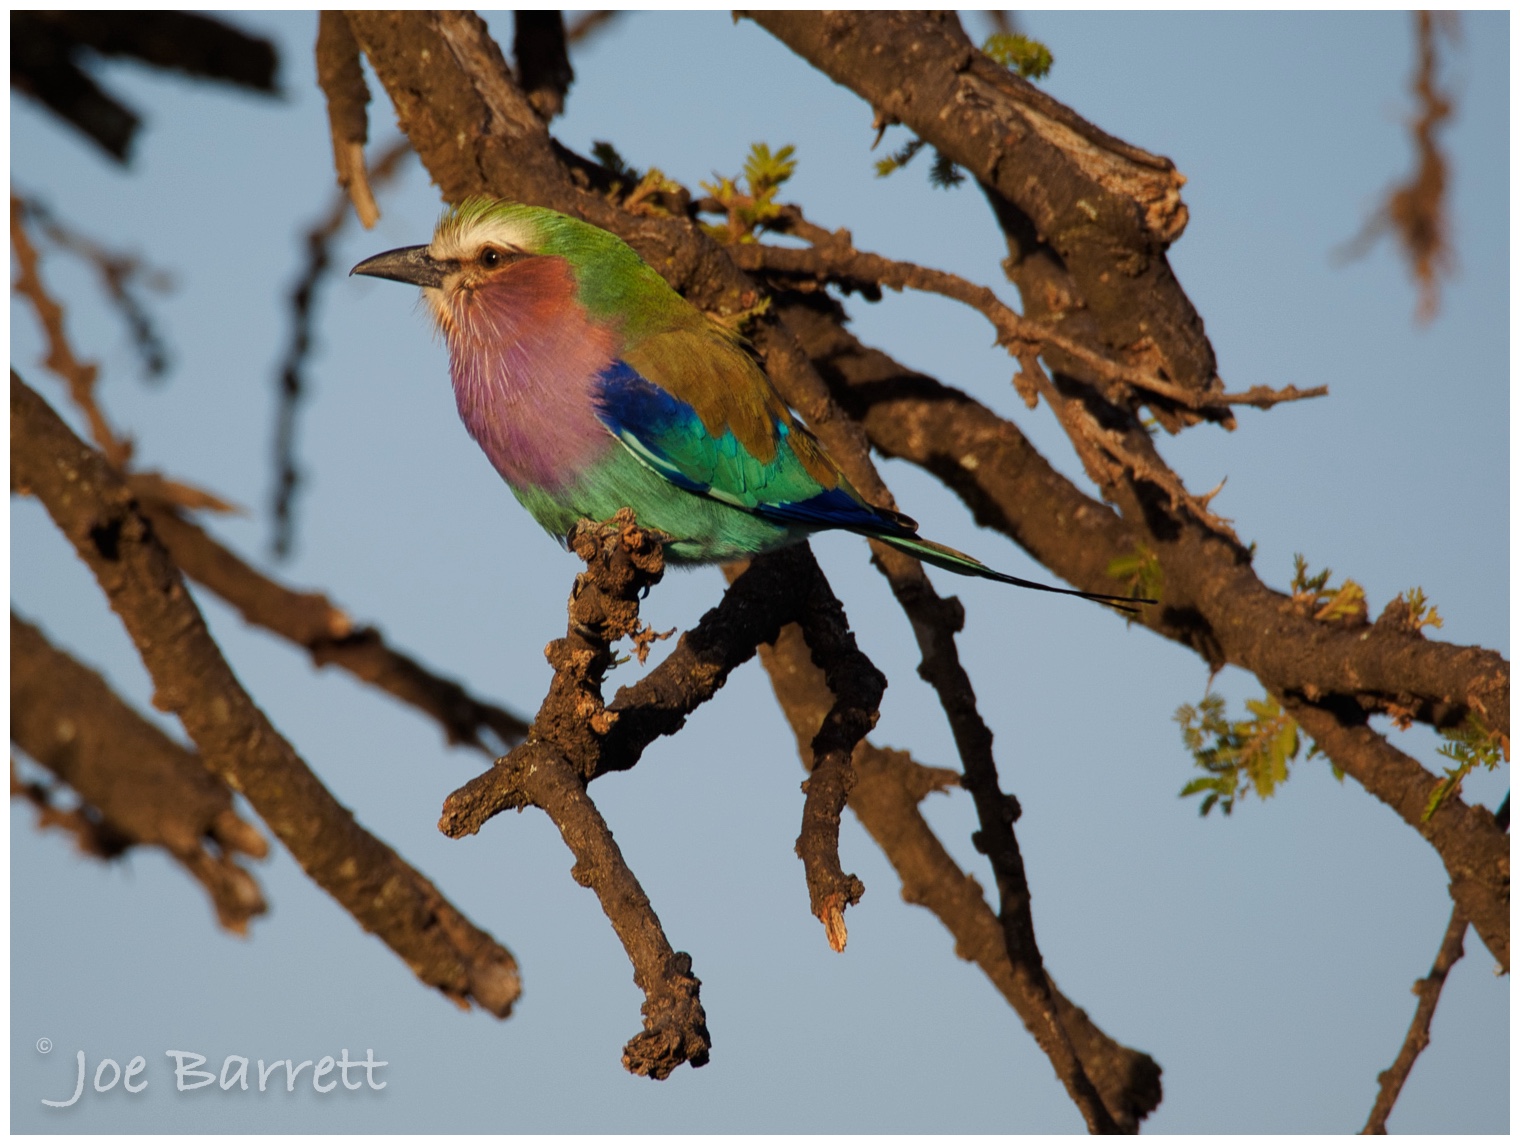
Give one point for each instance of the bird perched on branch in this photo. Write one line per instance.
(592, 385)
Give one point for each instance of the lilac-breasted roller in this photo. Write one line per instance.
(592, 385)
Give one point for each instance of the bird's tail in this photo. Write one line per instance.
(943, 556)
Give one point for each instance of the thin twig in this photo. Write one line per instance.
(832, 258)
(857, 687)
(79, 376)
(588, 25)
(888, 788)
(119, 274)
(292, 372)
(1428, 990)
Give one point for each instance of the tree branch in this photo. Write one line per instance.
(888, 788)
(833, 259)
(1428, 990)
(145, 789)
(1219, 607)
(341, 77)
(1213, 601)
(543, 60)
(79, 376)
(303, 304)
(1109, 208)
(550, 771)
(94, 509)
(45, 55)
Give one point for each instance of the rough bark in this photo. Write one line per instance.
(1109, 208)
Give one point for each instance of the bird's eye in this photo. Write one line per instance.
(490, 258)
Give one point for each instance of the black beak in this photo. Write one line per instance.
(410, 264)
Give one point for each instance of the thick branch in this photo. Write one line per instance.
(1213, 600)
(46, 57)
(1108, 208)
(675, 1026)
(94, 509)
(147, 789)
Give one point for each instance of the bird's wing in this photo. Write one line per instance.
(698, 411)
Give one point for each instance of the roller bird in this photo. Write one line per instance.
(591, 385)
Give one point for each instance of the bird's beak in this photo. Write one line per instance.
(411, 264)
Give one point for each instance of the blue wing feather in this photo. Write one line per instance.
(668, 435)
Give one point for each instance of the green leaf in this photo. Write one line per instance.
(1030, 58)
(899, 158)
(1236, 756)
(1348, 600)
(765, 171)
(1470, 747)
(1420, 612)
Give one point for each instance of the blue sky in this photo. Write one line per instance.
(1264, 960)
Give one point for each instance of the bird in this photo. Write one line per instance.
(591, 385)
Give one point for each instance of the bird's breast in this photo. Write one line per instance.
(524, 355)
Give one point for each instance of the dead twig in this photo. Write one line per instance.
(622, 562)
(79, 376)
(1416, 211)
(888, 786)
(120, 275)
(292, 372)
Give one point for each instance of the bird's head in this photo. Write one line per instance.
(522, 257)
(476, 245)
